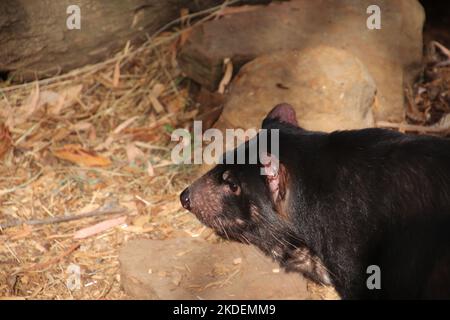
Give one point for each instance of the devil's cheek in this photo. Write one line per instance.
(207, 205)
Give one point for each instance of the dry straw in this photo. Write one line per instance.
(55, 181)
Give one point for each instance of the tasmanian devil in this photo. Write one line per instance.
(337, 206)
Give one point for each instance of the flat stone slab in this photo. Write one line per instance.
(187, 268)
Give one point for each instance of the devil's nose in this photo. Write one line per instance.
(185, 200)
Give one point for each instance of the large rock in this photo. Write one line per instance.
(329, 88)
(392, 54)
(186, 268)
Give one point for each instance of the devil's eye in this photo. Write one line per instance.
(233, 187)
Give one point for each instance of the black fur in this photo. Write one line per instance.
(356, 198)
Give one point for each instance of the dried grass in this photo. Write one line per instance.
(121, 110)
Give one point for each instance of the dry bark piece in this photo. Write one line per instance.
(99, 227)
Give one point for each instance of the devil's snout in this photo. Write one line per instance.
(185, 200)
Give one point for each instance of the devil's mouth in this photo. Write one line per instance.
(230, 235)
(230, 229)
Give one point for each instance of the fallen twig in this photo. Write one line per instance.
(105, 210)
(443, 49)
(228, 74)
(44, 265)
(414, 128)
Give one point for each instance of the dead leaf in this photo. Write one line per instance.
(131, 207)
(92, 134)
(33, 101)
(25, 279)
(55, 102)
(156, 91)
(49, 97)
(107, 143)
(24, 112)
(76, 154)
(99, 227)
(81, 126)
(5, 109)
(5, 140)
(134, 153)
(66, 99)
(59, 134)
(39, 247)
(141, 220)
(150, 170)
(24, 232)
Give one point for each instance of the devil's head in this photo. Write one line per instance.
(250, 201)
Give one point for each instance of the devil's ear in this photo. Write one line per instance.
(282, 112)
(276, 176)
